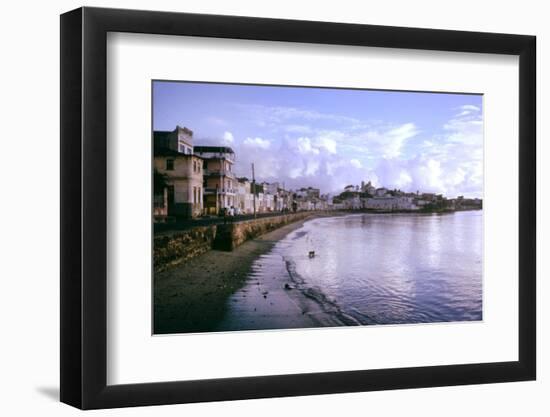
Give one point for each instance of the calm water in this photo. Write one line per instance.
(384, 269)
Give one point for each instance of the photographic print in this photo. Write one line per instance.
(285, 207)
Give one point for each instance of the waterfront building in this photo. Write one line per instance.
(390, 203)
(178, 192)
(368, 188)
(353, 202)
(179, 140)
(269, 202)
(380, 203)
(381, 192)
(428, 196)
(349, 188)
(244, 199)
(308, 193)
(219, 181)
(261, 206)
(271, 188)
(284, 200)
(462, 203)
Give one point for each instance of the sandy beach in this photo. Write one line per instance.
(193, 297)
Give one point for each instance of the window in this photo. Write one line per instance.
(169, 165)
(194, 166)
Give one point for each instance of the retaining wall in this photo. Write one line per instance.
(231, 235)
(173, 248)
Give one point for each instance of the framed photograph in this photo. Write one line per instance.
(256, 208)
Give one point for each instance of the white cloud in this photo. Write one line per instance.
(305, 146)
(326, 143)
(450, 163)
(386, 142)
(312, 167)
(228, 138)
(257, 143)
(269, 115)
(330, 156)
(468, 109)
(396, 138)
(301, 129)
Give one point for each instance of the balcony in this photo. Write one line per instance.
(218, 173)
(220, 191)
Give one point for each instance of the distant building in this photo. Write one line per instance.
(353, 202)
(368, 188)
(308, 193)
(244, 199)
(349, 188)
(271, 188)
(220, 182)
(381, 192)
(389, 203)
(428, 196)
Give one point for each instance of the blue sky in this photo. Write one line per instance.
(330, 138)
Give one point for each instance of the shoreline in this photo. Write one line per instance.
(192, 297)
(220, 291)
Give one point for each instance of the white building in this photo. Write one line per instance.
(380, 192)
(244, 199)
(353, 203)
(390, 203)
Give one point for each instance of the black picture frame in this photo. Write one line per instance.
(84, 207)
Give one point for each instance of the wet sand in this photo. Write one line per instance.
(194, 297)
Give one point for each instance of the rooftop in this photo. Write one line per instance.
(161, 151)
(214, 149)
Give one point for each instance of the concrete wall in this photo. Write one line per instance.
(174, 248)
(231, 235)
(171, 249)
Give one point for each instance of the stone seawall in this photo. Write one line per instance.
(173, 248)
(231, 235)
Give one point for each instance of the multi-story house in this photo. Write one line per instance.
(219, 183)
(179, 140)
(368, 188)
(244, 197)
(179, 191)
(381, 192)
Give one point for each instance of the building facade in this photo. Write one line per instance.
(182, 196)
(179, 140)
(219, 182)
(244, 197)
(178, 186)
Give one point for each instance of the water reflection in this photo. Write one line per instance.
(382, 269)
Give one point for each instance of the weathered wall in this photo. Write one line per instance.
(174, 248)
(229, 236)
